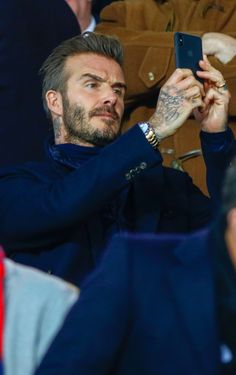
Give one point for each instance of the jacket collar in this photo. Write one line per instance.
(70, 155)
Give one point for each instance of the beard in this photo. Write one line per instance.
(79, 128)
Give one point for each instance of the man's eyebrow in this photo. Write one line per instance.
(122, 85)
(93, 76)
(100, 79)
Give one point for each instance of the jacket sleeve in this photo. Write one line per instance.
(186, 208)
(37, 211)
(218, 150)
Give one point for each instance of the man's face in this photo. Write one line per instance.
(93, 102)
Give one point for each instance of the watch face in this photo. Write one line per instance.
(144, 126)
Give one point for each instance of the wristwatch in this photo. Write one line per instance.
(150, 134)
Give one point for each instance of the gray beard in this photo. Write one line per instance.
(78, 128)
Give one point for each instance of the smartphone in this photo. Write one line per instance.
(188, 52)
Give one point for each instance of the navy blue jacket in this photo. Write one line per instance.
(148, 309)
(29, 30)
(56, 217)
(218, 151)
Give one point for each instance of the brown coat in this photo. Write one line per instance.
(146, 30)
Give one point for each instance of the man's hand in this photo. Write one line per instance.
(214, 113)
(222, 46)
(177, 99)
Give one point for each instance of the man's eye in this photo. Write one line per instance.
(118, 91)
(91, 85)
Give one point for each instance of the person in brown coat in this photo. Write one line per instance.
(146, 29)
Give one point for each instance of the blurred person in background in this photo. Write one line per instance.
(33, 307)
(87, 12)
(29, 30)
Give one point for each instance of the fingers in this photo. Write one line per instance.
(178, 75)
(212, 75)
(214, 95)
(194, 96)
(182, 82)
(216, 86)
(185, 79)
(222, 87)
(189, 83)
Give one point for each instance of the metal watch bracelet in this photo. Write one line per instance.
(150, 134)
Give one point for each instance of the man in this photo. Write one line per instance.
(59, 215)
(33, 306)
(157, 305)
(29, 30)
(146, 29)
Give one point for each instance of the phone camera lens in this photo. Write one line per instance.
(181, 40)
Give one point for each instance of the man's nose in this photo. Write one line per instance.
(109, 96)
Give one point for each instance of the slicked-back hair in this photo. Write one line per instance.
(52, 71)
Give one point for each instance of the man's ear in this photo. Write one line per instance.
(54, 102)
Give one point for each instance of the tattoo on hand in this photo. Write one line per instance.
(169, 104)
